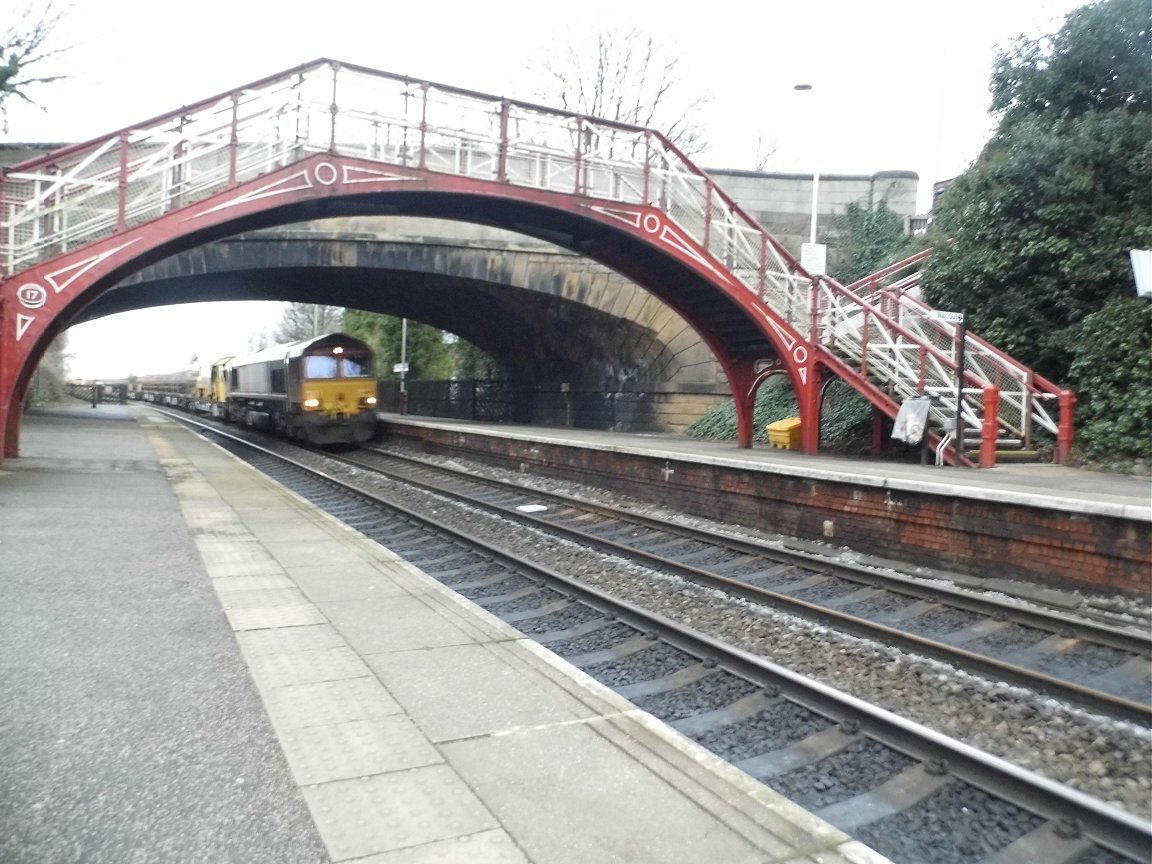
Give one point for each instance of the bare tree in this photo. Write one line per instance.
(307, 320)
(765, 150)
(625, 76)
(24, 44)
(50, 381)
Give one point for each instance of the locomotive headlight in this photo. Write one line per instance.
(311, 403)
(368, 400)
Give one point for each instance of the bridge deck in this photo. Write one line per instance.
(195, 660)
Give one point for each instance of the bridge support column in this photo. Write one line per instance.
(10, 431)
(4, 396)
(742, 378)
(808, 396)
(1066, 431)
(15, 380)
(878, 418)
(989, 430)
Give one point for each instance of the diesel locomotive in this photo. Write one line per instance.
(320, 390)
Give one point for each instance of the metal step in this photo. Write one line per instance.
(1009, 455)
(1001, 443)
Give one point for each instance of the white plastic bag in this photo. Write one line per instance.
(912, 420)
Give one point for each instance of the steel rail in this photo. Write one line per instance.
(1113, 706)
(1139, 643)
(1079, 813)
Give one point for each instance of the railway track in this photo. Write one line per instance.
(911, 793)
(1100, 667)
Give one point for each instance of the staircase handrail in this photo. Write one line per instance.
(1027, 374)
(991, 364)
(875, 279)
(891, 324)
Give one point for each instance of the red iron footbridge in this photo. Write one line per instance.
(330, 139)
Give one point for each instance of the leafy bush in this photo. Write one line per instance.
(869, 238)
(1112, 376)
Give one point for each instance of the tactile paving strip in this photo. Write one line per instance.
(306, 667)
(392, 811)
(230, 584)
(319, 754)
(289, 639)
(326, 702)
(487, 847)
(267, 597)
(266, 617)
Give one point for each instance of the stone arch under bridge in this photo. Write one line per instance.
(548, 315)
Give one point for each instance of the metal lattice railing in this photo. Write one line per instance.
(1028, 401)
(91, 191)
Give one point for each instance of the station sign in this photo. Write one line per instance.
(946, 317)
(814, 258)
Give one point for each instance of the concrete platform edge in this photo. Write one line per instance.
(655, 447)
(732, 796)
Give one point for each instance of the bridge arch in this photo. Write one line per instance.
(638, 241)
(546, 314)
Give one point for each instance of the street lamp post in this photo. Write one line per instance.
(813, 256)
(804, 88)
(403, 365)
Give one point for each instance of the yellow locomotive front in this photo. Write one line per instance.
(334, 382)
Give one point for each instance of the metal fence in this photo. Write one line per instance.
(498, 401)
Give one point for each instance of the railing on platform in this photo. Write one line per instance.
(97, 393)
(500, 401)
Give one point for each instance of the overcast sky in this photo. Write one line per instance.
(897, 85)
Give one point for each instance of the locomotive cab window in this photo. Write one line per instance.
(357, 367)
(321, 366)
(344, 366)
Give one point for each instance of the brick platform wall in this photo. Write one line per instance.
(971, 536)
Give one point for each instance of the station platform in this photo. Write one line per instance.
(1043, 532)
(197, 665)
(1057, 487)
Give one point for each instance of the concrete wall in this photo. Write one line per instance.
(782, 203)
(14, 153)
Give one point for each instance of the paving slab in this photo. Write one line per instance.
(130, 729)
(391, 720)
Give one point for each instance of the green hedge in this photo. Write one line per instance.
(1112, 377)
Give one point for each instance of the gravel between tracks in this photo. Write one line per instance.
(1105, 758)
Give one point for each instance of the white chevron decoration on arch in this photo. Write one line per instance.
(654, 222)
